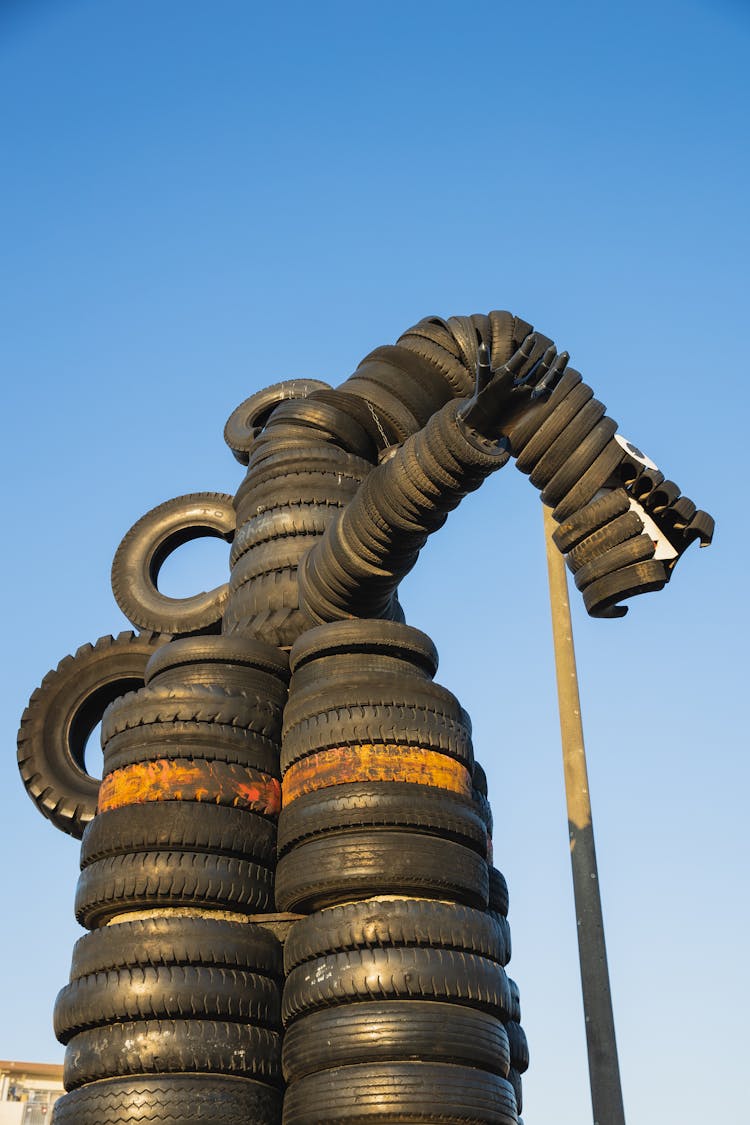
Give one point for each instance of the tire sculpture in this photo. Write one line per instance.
(287, 870)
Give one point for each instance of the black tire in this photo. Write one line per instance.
(212, 742)
(247, 421)
(193, 703)
(523, 429)
(484, 809)
(479, 779)
(171, 992)
(175, 826)
(350, 865)
(573, 468)
(278, 524)
(345, 667)
(172, 1046)
(177, 939)
(180, 1099)
(335, 487)
(596, 476)
(394, 1031)
(399, 372)
(395, 922)
(143, 550)
(600, 542)
(396, 419)
(636, 550)
(62, 713)
(515, 1001)
(147, 880)
(387, 804)
(268, 608)
(267, 557)
(282, 455)
(514, 1078)
(566, 444)
(600, 597)
(552, 427)
(518, 1046)
(325, 422)
(498, 893)
(380, 689)
(350, 724)
(211, 659)
(386, 638)
(590, 518)
(425, 1093)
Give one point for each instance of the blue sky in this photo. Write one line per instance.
(200, 199)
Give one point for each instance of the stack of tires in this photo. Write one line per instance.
(174, 996)
(396, 1003)
(304, 465)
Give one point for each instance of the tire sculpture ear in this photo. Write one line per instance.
(149, 543)
(248, 421)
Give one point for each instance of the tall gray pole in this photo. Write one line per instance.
(604, 1070)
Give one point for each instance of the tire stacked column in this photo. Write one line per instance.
(305, 462)
(173, 1007)
(396, 999)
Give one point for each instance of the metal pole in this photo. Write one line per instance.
(604, 1070)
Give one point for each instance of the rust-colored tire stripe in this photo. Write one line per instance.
(344, 764)
(187, 779)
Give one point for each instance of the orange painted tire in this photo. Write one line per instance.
(187, 779)
(390, 762)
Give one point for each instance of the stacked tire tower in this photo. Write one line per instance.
(290, 880)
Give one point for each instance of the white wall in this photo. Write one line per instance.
(11, 1113)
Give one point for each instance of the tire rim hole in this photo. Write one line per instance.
(93, 759)
(201, 564)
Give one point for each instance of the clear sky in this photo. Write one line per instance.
(199, 199)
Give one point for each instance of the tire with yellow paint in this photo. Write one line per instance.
(385, 762)
(406, 723)
(191, 780)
